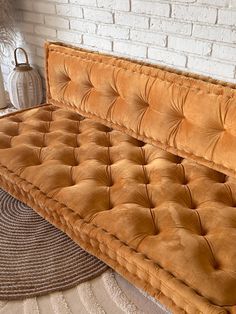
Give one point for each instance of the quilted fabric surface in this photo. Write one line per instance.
(168, 224)
(192, 117)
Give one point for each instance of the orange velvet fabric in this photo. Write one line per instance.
(165, 223)
(120, 188)
(191, 117)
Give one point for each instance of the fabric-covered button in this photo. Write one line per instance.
(146, 181)
(140, 144)
(203, 232)
(184, 181)
(223, 178)
(107, 129)
(193, 205)
(178, 160)
(110, 183)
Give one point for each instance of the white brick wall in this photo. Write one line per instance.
(193, 35)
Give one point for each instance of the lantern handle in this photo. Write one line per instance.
(26, 57)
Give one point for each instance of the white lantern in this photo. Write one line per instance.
(24, 84)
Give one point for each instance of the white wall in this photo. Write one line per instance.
(193, 35)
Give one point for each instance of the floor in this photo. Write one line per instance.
(106, 294)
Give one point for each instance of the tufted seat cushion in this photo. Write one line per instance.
(166, 223)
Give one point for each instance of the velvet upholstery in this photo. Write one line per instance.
(187, 116)
(166, 223)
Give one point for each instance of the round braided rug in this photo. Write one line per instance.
(37, 258)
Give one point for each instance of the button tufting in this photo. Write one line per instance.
(170, 203)
(107, 144)
(88, 84)
(193, 205)
(143, 162)
(203, 232)
(140, 144)
(185, 181)
(146, 104)
(178, 160)
(106, 129)
(73, 163)
(114, 92)
(157, 231)
(216, 265)
(223, 179)
(37, 162)
(110, 183)
(111, 206)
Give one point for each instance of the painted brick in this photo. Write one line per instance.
(194, 13)
(25, 27)
(232, 3)
(184, 1)
(148, 37)
(24, 5)
(168, 57)
(85, 2)
(219, 3)
(38, 62)
(45, 31)
(42, 74)
(44, 7)
(60, 1)
(212, 67)
(74, 37)
(33, 17)
(122, 5)
(136, 21)
(98, 15)
(137, 28)
(35, 40)
(56, 21)
(40, 52)
(224, 52)
(171, 26)
(83, 26)
(5, 69)
(227, 17)
(189, 45)
(215, 33)
(127, 48)
(30, 48)
(97, 42)
(148, 7)
(113, 31)
(69, 10)
(19, 16)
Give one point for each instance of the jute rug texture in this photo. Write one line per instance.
(37, 258)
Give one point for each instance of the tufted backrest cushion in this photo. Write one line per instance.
(187, 115)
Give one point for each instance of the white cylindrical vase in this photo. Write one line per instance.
(3, 101)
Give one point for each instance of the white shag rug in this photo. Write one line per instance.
(107, 294)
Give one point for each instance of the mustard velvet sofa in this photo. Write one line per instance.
(137, 164)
